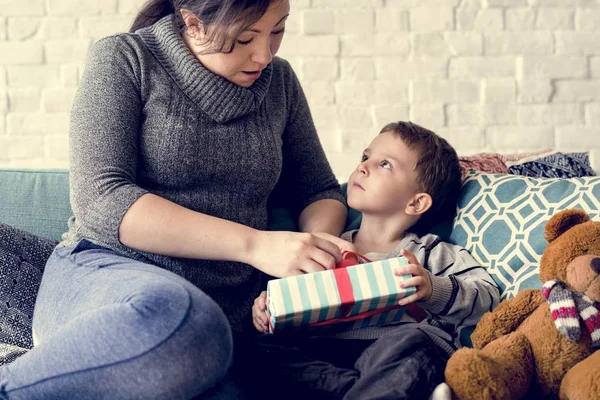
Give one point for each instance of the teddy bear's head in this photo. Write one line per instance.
(573, 252)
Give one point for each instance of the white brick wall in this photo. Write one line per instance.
(489, 75)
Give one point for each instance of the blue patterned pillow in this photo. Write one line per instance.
(501, 219)
(555, 165)
(22, 260)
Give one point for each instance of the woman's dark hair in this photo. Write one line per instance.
(222, 20)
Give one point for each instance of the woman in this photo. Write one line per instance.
(180, 133)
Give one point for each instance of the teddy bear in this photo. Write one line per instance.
(543, 343)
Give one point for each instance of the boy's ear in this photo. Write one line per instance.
(419, 204)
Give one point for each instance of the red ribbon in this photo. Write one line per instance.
(342, 278)
(350, 258)
(361, 315)
(344, 286)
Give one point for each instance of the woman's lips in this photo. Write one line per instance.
(252, 74)
(356, 184)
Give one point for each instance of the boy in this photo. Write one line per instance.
(408, 179)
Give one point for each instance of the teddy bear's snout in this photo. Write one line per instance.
(595, 264)
(583, 275)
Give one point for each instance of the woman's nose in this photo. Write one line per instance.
(262, 55)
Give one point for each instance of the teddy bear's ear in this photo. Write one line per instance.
(563, 221)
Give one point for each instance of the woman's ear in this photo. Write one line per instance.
(192, 23)
(420, 203)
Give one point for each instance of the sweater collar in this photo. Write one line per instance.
(216, 96)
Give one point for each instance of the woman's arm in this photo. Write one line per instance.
(307, 178)
(156, 225)
(325, 215)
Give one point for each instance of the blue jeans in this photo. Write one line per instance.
(109, 327)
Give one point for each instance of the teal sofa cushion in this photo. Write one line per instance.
(501, 220)
(36, 201)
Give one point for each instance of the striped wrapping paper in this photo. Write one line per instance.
(312, 298)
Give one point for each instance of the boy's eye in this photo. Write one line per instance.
(364, 158)
(385, 164)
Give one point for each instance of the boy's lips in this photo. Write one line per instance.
(358, 185)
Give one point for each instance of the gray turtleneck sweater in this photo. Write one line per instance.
(149, 118)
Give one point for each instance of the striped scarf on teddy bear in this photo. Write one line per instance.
(567, 306)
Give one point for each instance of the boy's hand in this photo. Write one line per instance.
(420, 279)
(259, 317)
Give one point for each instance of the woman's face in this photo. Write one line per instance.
(253, 51)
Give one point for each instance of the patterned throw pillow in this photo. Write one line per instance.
(501, 221)
(483, 162)
(554, 165)
(22, 260)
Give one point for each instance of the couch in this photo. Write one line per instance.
(500, 220)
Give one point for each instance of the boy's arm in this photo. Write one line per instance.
(462, 290)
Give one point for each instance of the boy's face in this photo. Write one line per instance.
(384, 183)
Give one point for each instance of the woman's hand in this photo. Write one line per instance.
(283, 254)
(342, 244)
(259, 317)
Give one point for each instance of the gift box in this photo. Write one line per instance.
(360, 295)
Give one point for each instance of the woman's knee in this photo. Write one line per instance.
(157, 323)
(212, 330)
(197, 351)
(200, 331)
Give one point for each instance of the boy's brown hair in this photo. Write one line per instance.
(438, 171)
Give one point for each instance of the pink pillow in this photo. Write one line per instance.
(484, 162)
(522, 156)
